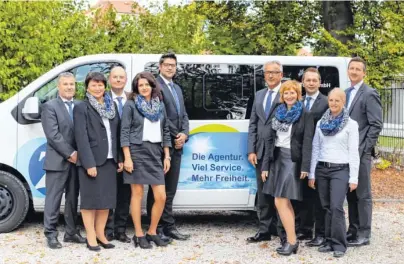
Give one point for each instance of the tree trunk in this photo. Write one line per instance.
(338, 16)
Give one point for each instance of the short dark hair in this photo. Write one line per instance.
(156, 91)
(95, 76)
(169, 55)
(358, 59)
(311, 69)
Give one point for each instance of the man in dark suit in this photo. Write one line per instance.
(117, 219)
(309, 212)
(261, 113)
(363, 103)
(60, 160)
(179, 129)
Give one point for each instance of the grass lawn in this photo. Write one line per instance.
(392, 142)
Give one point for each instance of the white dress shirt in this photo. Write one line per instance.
(283, 138)
(342, 148)
(275, 91)
(109, 137)
(114, 97)
(313, 99)
(151, 131)
(353, 93)
(65, 100)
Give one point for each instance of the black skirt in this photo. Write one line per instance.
(284, 177)
(147, 164)
(99, 192)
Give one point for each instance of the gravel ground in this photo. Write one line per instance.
(217, 237)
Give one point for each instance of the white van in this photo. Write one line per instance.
(218, 91)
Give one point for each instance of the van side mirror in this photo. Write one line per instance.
(30, 111)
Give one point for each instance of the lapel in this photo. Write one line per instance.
(315, 104)
(260, 107)
(274, 105)
(62, 107)
(167, 91)
(93, 112)
(357, 96)
(296, 125)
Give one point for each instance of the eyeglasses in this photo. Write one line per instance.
(168, 65)
(272, 72)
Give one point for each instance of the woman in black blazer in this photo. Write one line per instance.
(145, 138)
(288, 154)
(96, 127)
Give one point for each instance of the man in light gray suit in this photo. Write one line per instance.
(261, 113)
(60, 160)
(363, 103)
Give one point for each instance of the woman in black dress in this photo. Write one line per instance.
(96, 128)
(288, 148)
(145, 138)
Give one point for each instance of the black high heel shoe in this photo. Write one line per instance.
(157, 240)
(106, 246)
(142, 242)
(288, 249)
(93, 248)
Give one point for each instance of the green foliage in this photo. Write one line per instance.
(383, 164)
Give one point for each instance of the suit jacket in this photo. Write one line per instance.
(300, 143)
(59, 132)
(259, 126)
(178, 122)
(366, 109)
(91, 136)
(132, 126)
(320, 105)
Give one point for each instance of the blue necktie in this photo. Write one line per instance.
(120, 105)
(175, 95)
(70, 106)
(308, 99)
(268, 103)
(348, 95)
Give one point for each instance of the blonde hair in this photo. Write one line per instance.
(290, 85)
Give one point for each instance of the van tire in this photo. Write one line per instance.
(14, 202)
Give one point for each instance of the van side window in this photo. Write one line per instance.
(49, 91)
(214, 91)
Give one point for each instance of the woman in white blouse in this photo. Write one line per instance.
(334, 168)
(145, 138)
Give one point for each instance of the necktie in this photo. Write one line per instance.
(308, 99)
(175, 95)
(70, 107)
(348, 95)
(268, 103)
(120, 105)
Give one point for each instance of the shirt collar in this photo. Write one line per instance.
(167, 82)
(114, 96)
(65, 100)
(276, 89)
(314, 96)
(358, 85)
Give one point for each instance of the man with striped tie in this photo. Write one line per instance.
(116, 224)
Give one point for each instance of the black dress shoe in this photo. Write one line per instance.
(142, 242)
(175, 234)
(350, 236)
(303, 236)
(164, 237)
(338, 254)
(76, 238)
(361, 241)
(288, 249)
(259, 237)
(109, 237)
(53, 243)
(122, 237)
(325, 248)
(157, 240)
(316, 242)
(105, 245)
(93, 248)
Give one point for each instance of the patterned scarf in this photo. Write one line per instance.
(331, 125)
(285, 118)
(151, 110)
(104, 110)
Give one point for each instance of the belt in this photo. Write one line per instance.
(333, 165)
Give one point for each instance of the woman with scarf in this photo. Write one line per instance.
(335, 167)
(145, 138)
(287, 155)
(96, 128)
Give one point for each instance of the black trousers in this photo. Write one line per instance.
(332, 184)
(309, 212)
(118, 218)
(58, 182)
(360, 201)
(167, 220)
(266, 211)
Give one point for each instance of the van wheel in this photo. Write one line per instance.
(14, 202)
